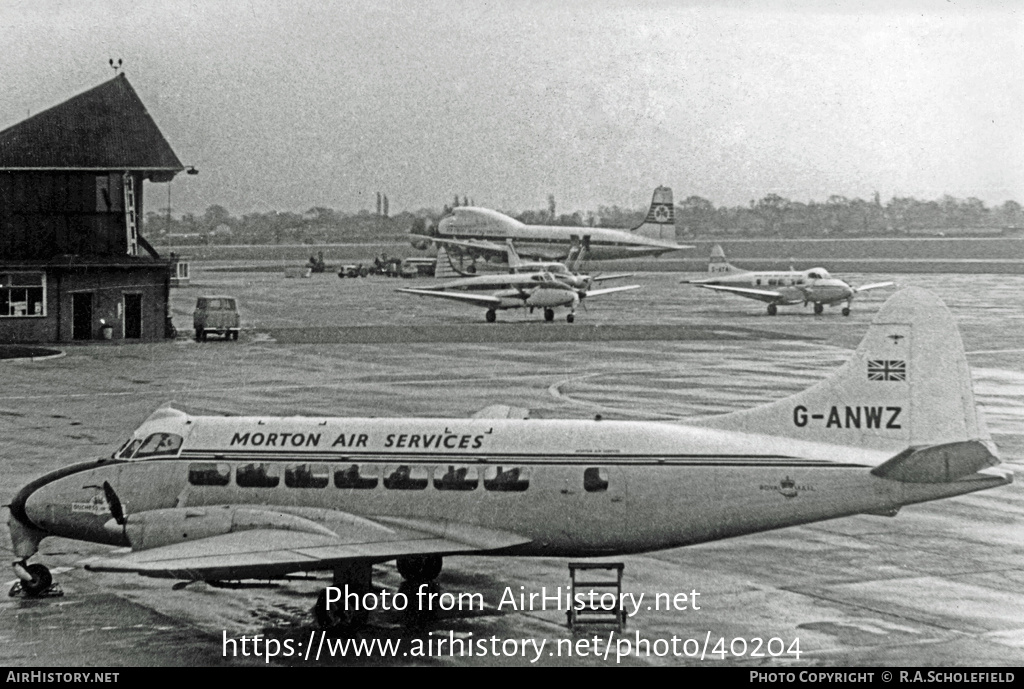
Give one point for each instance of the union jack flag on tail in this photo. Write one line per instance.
(887, 370)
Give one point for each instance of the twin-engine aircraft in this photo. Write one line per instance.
(781, 287)
(530, 284)
(482, 232)
(228, 498)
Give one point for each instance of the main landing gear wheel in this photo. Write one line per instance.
(570, 318)
(549, 314)
(344, 614)
(41, 580)
(846, 310)
(420, 568)
(772, 309)
(419, 586)
(491, 317)
(818, 308)
(336, 617)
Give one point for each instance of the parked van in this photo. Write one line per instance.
(217, 314)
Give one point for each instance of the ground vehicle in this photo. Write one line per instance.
(216, 314)
(353, 270)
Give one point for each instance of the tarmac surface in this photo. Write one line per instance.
(940, 584)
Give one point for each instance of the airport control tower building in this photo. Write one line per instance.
(73, 263)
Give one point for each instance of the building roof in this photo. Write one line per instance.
(105, 128)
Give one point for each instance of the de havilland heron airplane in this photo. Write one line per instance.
(530, 284)
(780, 287)
(482, 232)
(222, 498)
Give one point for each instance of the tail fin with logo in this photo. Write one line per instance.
(907, 390)
(660, 222)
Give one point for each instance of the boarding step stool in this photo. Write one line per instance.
(596, 614)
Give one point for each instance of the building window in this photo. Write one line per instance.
(22, 295)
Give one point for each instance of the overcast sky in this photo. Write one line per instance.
(287, 105)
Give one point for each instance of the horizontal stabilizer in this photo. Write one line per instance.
(874, 285)
(937, 463)
(610, 290)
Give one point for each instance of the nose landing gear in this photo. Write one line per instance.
(34, 581)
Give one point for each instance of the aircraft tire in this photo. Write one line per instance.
(846, 310)
(41, 580)
(420, 568)
(570, 318)
(772, 309)
(549, 315)
(818, 308)
(491, 316)
(337, 618)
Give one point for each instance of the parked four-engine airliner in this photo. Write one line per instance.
(226, 498)
(482, 232)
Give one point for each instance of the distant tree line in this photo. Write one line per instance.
(772, 215)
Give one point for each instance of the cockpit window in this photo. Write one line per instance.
(159, 444)
(128, 449)
(155, 444)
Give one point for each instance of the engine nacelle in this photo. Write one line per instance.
(157, 528)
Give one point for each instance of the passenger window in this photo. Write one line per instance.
(159, 444)
(452, 478)
(595, 480)
(406, 477)
(209, 474)
(511, 480)
(306, 476)
(257, 476)
(356, 477)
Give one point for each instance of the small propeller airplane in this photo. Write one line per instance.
(223, 498)
(479, 232)
(530, 284)
(781, 287)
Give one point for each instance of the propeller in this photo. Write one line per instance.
(114, 503)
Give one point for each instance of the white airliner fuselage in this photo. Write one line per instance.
(484, 232)
(214, 498)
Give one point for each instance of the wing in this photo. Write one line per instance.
(609, 290)
(268, 552)
(479, 246)
(613, 276)
(762, 294)
(874, 285)
(467, 297)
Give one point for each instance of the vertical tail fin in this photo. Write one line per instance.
(660, 222)
(451, 266)
(514, 261)
(907, 385)
(717, 263)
